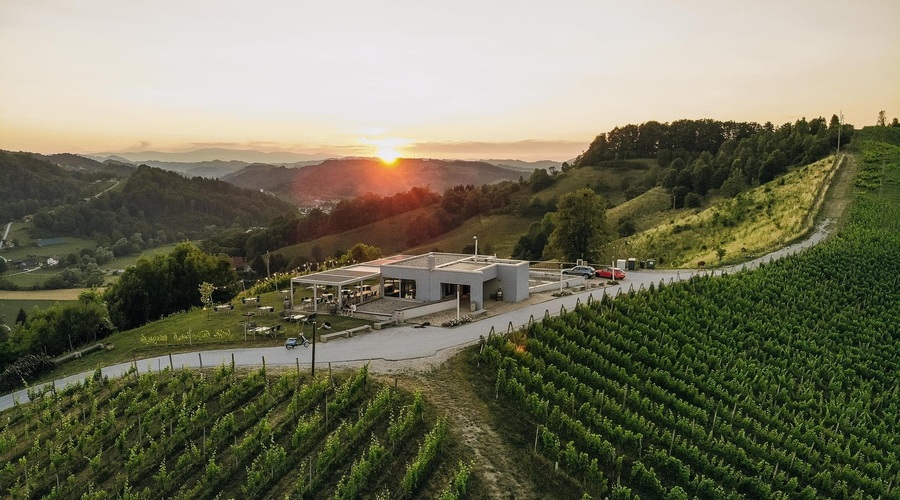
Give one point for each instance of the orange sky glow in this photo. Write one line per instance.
(460, 79)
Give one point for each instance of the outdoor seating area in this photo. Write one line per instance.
(268, 331)
(223, 307)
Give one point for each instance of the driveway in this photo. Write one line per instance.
(408, 347)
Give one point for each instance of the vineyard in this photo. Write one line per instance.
(220, 434)
(776, 383)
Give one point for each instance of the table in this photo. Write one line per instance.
(295, 317)
(223, 307)
(266, 308)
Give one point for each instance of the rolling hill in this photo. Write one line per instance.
(348, 178)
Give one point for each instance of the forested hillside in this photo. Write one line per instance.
(29, 183)
(161, 205)
(696, 157)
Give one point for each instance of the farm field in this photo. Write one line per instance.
(772, 383)
(221, 433)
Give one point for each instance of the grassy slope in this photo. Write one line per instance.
(198, 330)
(758, 221)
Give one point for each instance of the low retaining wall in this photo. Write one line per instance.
(345, 333)
(568, 282)
(417, 311)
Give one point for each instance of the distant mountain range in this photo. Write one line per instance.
(527, 166)
(325, 179)
(211, 154)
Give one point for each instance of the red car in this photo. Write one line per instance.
(611, 273)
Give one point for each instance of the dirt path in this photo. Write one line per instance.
(840, 192)
(470, 419)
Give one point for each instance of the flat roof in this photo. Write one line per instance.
(356, 273)
(349, 274)
(422, 260)
(454, 261)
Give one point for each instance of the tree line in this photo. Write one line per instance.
(444, 212)
(699, 157)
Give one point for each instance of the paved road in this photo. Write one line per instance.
(5, 234)
(397, 346)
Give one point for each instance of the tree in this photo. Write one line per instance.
(21, 317)
(539, 180)
(165, 284)
(579, 225)
(882, 119)
(720, 253)
(360, 253)
(206, 291)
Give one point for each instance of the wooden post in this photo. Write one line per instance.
(200, 355)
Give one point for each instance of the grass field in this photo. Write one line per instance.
(9, 309)
(610, 181)
(199, 329)
(38, 277)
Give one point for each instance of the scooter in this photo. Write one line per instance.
(293, 342)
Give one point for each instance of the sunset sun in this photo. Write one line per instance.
(388, 149)
(387, 154)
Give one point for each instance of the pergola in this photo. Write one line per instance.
(342, 277)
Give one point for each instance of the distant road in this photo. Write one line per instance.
(5, 234)
(404, 347)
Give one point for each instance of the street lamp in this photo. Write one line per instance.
(312, 319)
(476, 245)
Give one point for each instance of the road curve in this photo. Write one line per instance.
(399, 347)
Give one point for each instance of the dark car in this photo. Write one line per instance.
(586, 271)
(611, 273)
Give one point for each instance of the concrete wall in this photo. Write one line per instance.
(514, 280)
(408, 313)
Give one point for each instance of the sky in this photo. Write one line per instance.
(441, 79)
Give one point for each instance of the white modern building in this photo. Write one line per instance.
(438, 276)
(429, 278)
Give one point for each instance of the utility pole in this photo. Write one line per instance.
(840, 127)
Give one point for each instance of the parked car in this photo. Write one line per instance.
(611, 273)
(586, 271)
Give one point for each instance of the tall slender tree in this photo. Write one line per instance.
(579, 225)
